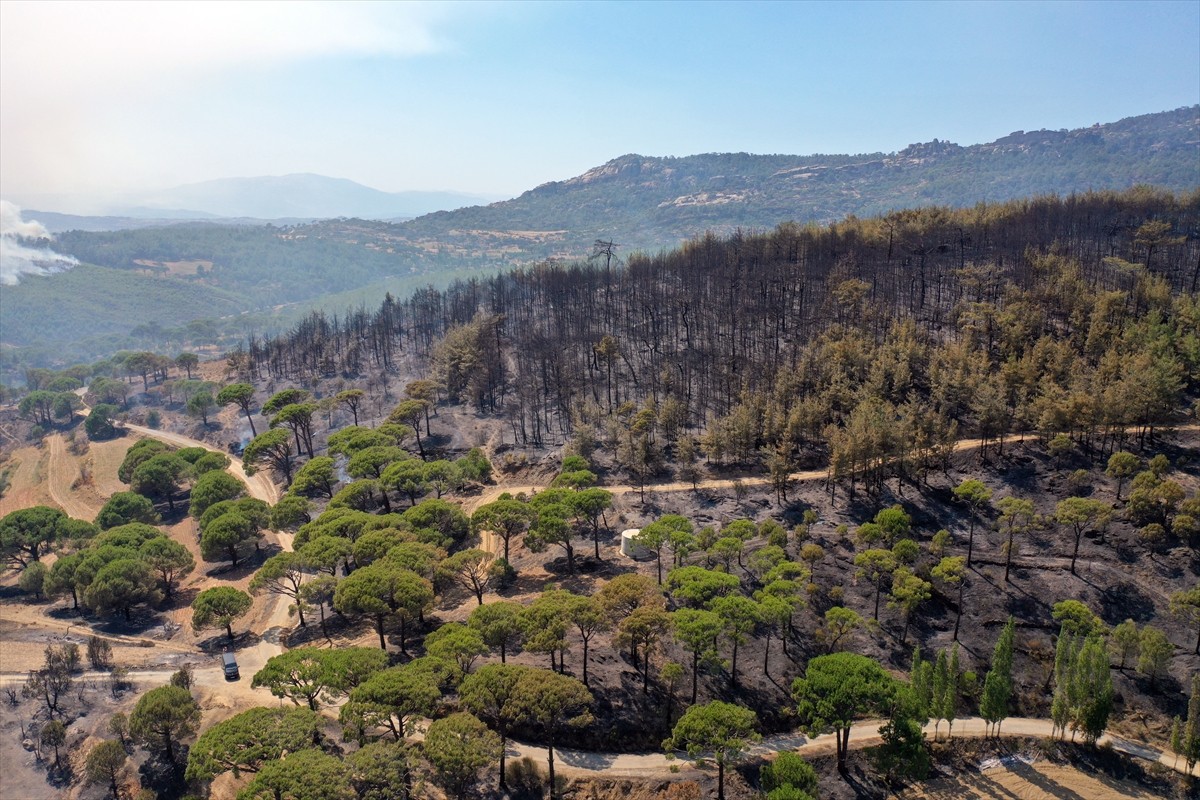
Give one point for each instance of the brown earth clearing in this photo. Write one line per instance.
(186, 267)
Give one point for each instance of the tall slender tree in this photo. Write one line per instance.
(997, 685)
(976, 495)
(241, 395)
(1016, 516)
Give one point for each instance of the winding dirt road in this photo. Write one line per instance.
(862, 734)
(275, 620)
(494, 493)
(259, 484)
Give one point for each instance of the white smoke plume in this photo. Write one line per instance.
(16, 259)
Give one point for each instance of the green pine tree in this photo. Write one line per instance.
(922, 690)
(997, 685)
(949, 704)
(1191, 731)
(941, 679)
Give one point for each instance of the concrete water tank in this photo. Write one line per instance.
(629, 545)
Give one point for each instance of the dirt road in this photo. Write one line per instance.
(494, 493)
(271, 625)
(61, 473)
(570, 761)
(259, 484)
(863, 734)
(658, 765)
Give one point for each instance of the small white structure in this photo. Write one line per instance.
(630, 547)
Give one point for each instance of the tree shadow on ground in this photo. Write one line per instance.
(246, 566)
(181, 599)
(1024, 606)
(222, 643)
(337, 626)
(169, 517)
(1049, 787)
(862, 782)
(523, 584)
(1019, 602)
(66, 613)
(143, 620)
(864, 507)
(1166, 696)
(60, 775)
(165, 778)
(587, 569)
(1126, 553)
(793, 514)
(1125, 601)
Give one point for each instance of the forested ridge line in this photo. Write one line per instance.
(1074, 314)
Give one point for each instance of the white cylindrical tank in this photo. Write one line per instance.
(629, 545)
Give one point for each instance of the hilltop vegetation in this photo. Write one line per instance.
(648, 202)
(1034, 314)
(194, 287)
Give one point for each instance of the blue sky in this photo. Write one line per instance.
(496, 98)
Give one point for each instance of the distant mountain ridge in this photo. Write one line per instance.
(300, 195)
(56, 222)
(297, 197)
(143, 282)
(651, 202)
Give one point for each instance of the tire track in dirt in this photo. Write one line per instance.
(61, 473)
(26, 468)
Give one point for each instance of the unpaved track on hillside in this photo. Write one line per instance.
(273, 623)
(494, 493)
(81, 628)
(863, 734)
(61, 472)
(259, 484)
(582, 763)
(658, 765)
